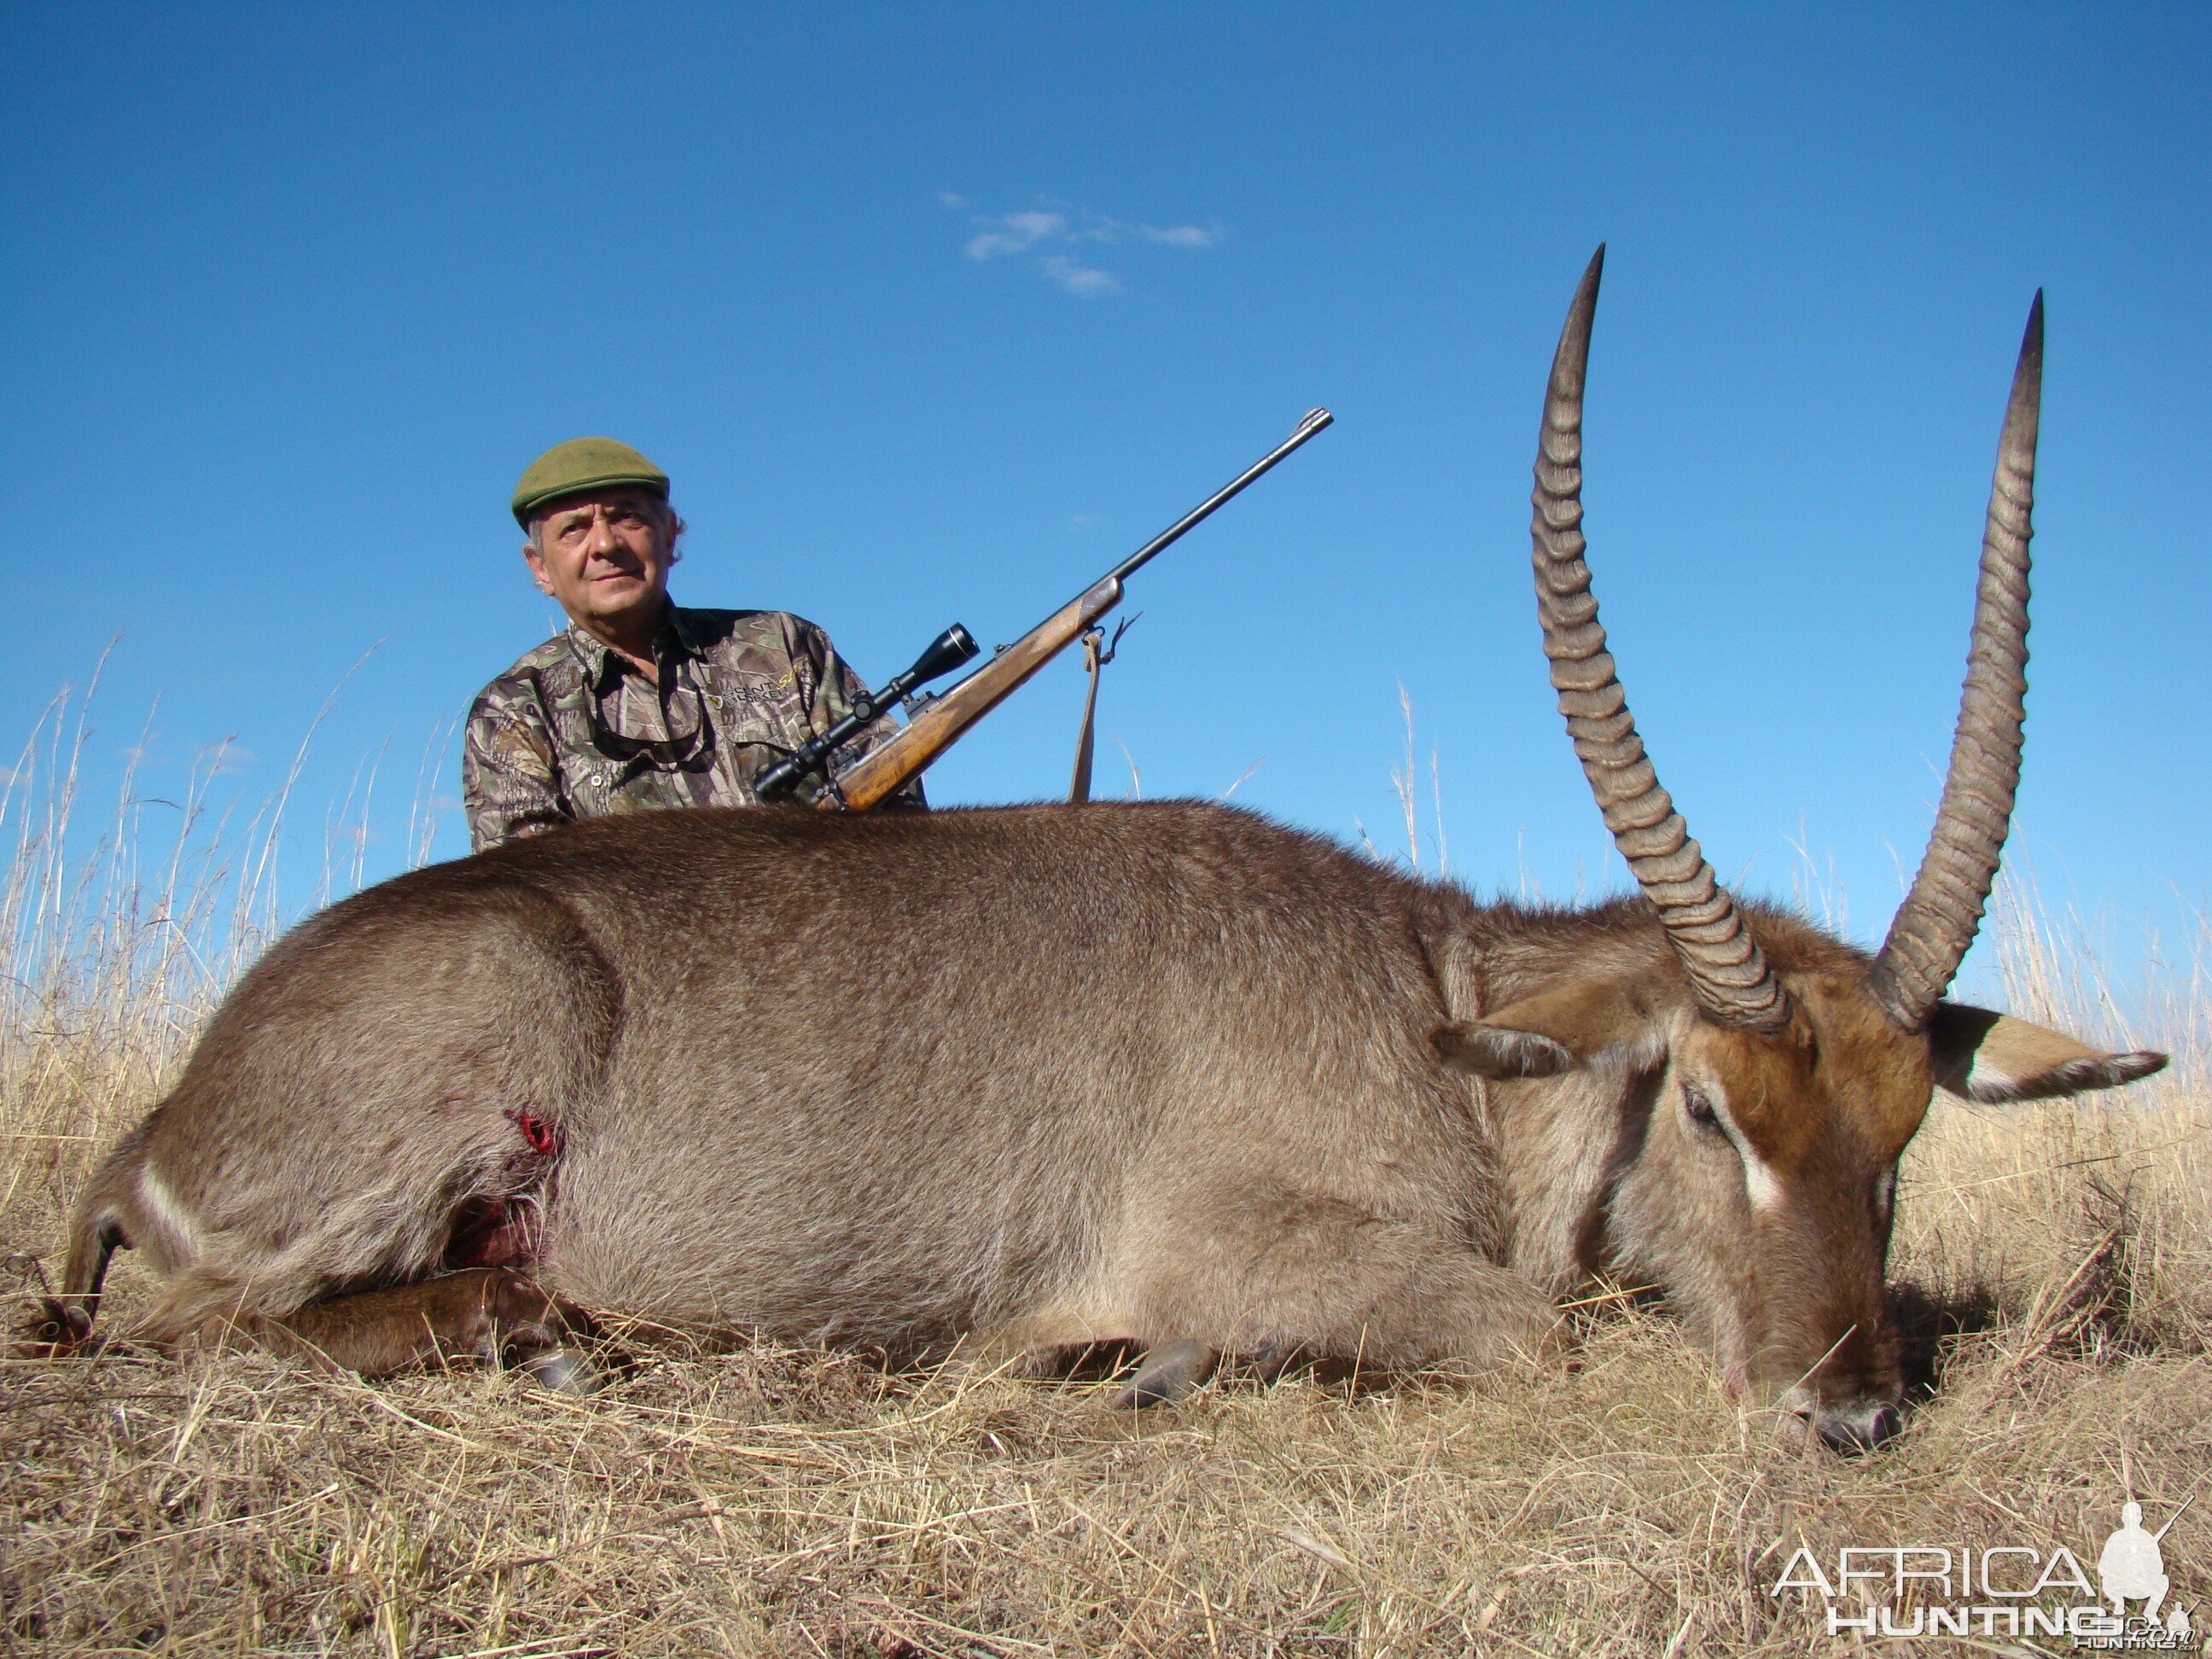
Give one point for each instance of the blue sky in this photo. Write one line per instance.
(934, 311)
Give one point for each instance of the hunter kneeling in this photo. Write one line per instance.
(639, 703)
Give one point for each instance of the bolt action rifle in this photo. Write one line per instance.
(939, 722)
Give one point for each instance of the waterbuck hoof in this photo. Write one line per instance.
(1167, 1374)
(555, 1342)
(564, 1372)
(55, 1331)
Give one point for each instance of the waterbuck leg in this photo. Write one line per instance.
(481, 1314)
(1307, 1274)
(62, 1325)
(1168, 1373)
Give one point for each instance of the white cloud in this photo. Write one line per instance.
(1039, 230)
(1084, 282)
(1015, 232)
(1100, 229)
(1181, 236)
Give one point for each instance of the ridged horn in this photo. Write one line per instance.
(1728, 973)
(1937, 921)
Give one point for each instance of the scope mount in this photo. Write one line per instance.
(948, 651)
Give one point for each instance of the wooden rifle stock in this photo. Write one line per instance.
(944, 719)
(939, 723)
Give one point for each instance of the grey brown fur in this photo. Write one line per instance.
(1032, 1077)
(1037, 1071)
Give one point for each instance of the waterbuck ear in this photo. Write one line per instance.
(1994, 1057)
(1494, 1051)
(1543, 1035)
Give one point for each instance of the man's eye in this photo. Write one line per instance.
(1700, 1106)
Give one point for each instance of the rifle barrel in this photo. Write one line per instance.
(1315, 420)
(2171, 1519)
(938, 727)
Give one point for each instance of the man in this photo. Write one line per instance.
(637, 704)
(2132, 1567)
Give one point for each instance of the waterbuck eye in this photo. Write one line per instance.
(1700, 1106)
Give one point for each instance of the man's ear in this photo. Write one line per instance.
(536, 560)
(1543, 1035)
(1992, 1057)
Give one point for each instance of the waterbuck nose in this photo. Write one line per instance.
(1855, 1428)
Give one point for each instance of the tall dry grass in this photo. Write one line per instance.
(2054, 1264)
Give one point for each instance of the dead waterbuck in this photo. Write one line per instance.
(1041, 1077)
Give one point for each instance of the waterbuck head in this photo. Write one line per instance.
(1769, 1076)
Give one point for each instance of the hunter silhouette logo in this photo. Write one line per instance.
(1942, 1589)
(2133, 1568)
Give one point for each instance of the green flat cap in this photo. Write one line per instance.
(583, 463)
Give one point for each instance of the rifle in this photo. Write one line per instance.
(940, 721)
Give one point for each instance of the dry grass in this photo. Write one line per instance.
(2056, 1264)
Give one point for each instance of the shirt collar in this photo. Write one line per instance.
(675, 639)
(678, 626)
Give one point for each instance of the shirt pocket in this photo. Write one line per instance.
(584, 778)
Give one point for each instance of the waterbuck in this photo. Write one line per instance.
(1041, 1077)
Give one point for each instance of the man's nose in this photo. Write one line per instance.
(602, 536)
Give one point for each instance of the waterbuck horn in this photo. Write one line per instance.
(1729, 974)
(1936, 924)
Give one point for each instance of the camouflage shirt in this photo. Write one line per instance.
(574, 732)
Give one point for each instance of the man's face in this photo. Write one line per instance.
(604, 556)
